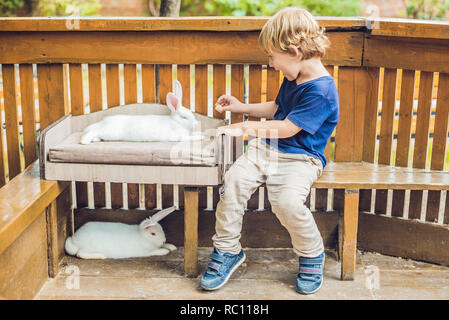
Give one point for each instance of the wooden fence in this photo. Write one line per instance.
(392, 77)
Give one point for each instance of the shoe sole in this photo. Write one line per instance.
(229, 275)
(322, 280)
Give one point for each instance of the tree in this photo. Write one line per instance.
(426, 9)
(170, 8)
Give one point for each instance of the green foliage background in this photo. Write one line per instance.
(268, 7)
(8, 7)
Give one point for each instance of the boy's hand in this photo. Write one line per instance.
(234, 130)
(229, 103)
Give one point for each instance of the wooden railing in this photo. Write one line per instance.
(102, 63)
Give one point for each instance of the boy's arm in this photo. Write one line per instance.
(262, 110)
(273, 129)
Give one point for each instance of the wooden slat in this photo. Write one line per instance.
(77, 108)
(386, 131)
(237, 90)
(113, 99)
(167, 195)
(439, 143)
(321, 194)
(327, 150)
(254, 96)
(441, 124)
(11, 120)
(150, 196)
(166, 86)
(255, 86)
(352, 90)
(273, 83)
(96, 104)
(112, 85)
(165, 82)
(2, 164)
(51, 93)
(148, 83)
(201, 101)
(446, 211)
(421, 137)
(423, 120)
(349, 130)
(183, 77)
(405, 118)
(201, 89)
(95, 88)
(162, 47)
(369, 132)
(130, 89)
(149, 95)
(404, 135)
(219, 87)
(76, 89)
(28, 121)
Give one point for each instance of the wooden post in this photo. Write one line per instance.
(191, 231)
(349, 234)
(52, 239)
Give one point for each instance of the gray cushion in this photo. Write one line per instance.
(195, 153)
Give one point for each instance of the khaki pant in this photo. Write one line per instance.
(288, 178)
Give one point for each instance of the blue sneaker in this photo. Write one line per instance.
(310, 276)
(220, 268)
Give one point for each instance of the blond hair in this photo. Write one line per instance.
(297, 27)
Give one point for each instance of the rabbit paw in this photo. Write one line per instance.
(85, 140)
(90, 255)
(169, 247)
(160, 252)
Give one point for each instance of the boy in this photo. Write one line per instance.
(304, 115)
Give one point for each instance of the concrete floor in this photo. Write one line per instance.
(266, 274)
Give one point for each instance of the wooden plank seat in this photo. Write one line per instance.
(190, 164)
(30, 211)
(355, 176)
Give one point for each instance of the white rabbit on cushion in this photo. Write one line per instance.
(178, 126)
(101, 240)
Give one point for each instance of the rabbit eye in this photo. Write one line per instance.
(153, 234)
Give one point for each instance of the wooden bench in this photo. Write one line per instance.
(361, 55)
(33, 214)
(348, 178)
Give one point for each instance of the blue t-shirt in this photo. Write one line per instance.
(312, 106)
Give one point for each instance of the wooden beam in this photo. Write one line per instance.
(143, 24)
(158, 47)
(349, 234)
(191, 231)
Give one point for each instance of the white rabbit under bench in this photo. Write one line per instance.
(141, 143)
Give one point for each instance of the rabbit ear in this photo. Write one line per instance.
(173, 102)
(178, 90)
(148, 222)
(155, 218)
(162, 214)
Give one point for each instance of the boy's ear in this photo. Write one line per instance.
(294, 52)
